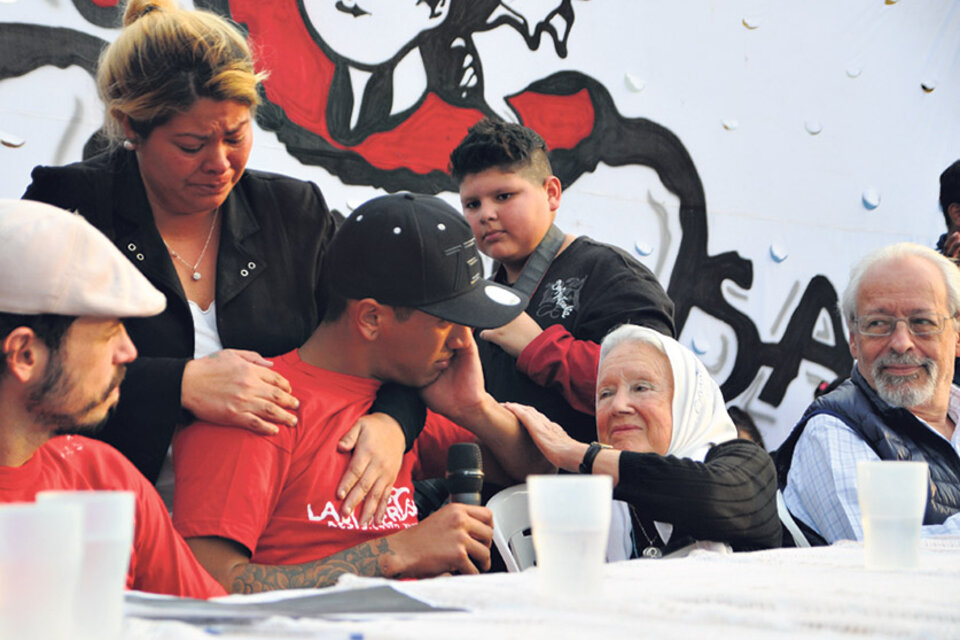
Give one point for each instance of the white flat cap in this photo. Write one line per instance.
(54, 261)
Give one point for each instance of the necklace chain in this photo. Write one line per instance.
(651, 550)
(196, 275)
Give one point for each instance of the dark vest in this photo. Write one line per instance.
(893, 433)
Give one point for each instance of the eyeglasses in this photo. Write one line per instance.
(878, 325)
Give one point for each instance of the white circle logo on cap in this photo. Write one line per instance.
(502, 296)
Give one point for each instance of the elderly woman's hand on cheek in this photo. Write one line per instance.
(558, 447)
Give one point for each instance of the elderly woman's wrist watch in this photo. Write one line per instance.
(586, 465)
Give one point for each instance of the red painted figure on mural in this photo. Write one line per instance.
(384, 106)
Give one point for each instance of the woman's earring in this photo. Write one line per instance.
(129, 145)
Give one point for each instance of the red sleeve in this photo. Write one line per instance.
(556, 359)
(228, 481)
(431, 446)
(161, 561)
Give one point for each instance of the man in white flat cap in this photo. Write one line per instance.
(63, 294)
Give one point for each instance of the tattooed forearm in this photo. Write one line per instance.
(362, 560)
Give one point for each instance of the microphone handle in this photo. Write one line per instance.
(465, 498)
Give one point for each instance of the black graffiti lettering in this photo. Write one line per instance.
(798, 342)
(696, 278)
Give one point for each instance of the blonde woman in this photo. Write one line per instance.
(237, 253)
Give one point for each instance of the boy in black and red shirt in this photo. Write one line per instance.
(579, 288)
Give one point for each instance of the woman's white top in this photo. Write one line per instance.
(206, 340)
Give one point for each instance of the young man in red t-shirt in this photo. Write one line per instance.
(405, 284)
(63, 297)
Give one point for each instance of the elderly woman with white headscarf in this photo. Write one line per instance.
(680, 473)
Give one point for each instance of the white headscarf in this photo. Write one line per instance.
(700, 419)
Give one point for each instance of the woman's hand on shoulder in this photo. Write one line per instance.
(237, 388)
(558, 447)
(378, 444)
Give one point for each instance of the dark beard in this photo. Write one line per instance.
(69, 426)
(54, 385)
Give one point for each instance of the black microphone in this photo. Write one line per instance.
(464, 477)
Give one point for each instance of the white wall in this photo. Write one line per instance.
(743, 100)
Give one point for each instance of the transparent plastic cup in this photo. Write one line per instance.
(893, 497)
(570, 519)
(107, 540)
(40, 555)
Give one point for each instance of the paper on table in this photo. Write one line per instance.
(382, 599)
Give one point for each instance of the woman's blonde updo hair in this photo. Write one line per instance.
(165, 59)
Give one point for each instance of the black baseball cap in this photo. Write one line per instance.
(410, 250)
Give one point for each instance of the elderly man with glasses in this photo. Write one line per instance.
(902, 306)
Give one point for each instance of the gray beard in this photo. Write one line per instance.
(906, 391)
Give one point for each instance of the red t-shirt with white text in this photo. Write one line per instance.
(275, 495)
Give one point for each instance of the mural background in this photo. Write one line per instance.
(787, 140)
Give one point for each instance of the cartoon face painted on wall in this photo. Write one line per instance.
(388, 86)
(377, 145)
(372, 32)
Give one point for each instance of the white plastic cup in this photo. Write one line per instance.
(40, 552)
(893, 497)
(570, 519)
(107, 541)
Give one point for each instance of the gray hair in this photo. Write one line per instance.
(629, 333)
(949, 270)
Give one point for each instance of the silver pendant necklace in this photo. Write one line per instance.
(651, 550)
(196, 275)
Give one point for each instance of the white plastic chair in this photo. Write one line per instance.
(791, 525)
(511, 527)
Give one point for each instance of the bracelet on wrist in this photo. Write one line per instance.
(586, 465)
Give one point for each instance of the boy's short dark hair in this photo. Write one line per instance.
(502, 145)
(949, 188)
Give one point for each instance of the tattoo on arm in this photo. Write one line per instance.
(362, 560)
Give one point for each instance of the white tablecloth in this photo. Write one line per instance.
(823, 592)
